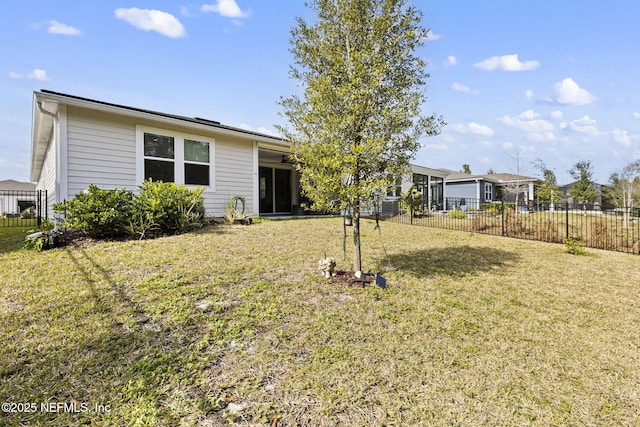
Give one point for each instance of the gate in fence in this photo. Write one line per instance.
(617, 229)
(22, 208)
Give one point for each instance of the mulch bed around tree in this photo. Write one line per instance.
(348, 278)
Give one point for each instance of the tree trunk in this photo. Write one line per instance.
(357, 255)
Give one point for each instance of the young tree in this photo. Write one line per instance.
(625, 188)
(548, 191)
(466, 169)
(358, 123)
(583, 189)
(516, 187)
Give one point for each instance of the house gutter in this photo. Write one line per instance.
(36, 138)
(60, 150)
(48, 113)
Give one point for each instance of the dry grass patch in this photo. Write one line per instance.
(234, 325)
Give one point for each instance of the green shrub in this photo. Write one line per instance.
(98, 212)
(169, 207)
(234, 215)
(494, 208)
(457, 214)
(411, 200)
(28, 214)
(159, 208)
(574, 246)
(41, 240)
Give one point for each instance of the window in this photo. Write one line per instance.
(488, 192)
(196, 162)
(172, 157)
(397, 190)
(159, 155)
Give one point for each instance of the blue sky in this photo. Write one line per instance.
(548, 79)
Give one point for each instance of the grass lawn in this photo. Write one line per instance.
(234, 325)
(12, 238)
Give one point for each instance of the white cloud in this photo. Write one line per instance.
(529, 94)
(431, 36)
(528, 115)
(459, 87)
(228, 8)
(537, 129)
(56, 27)
(473, 128)
(636, 115)
(506, 63)
(557, 115)
(584, 125)
(481, 130)
(622, 137)
(568, 92)
(152, 20)
(451, 61)
(259, 129)
(38, 74)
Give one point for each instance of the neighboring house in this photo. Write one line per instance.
(78, 141)
(16, 196)
(429, 182)
(470, 191)
(601, 201)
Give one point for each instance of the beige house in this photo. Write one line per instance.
(78, 141)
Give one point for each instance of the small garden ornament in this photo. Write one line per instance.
(327, 266)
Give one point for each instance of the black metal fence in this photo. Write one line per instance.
(616, 229)
(22, 208)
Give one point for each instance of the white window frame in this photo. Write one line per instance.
(178, 160)
(488, 186)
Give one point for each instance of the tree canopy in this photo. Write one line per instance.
(583, 189)
(358, 122)
(548, 191)
(624, 188)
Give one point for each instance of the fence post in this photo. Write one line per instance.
(566, 219)
(39, 208)
(502, 210)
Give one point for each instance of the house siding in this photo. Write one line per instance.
(234, 174)
(47, 179)
(101, 150)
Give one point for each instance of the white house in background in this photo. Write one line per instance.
(78, 141)
(16, 196)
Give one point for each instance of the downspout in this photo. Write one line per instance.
(48, 113)
(55, 127)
